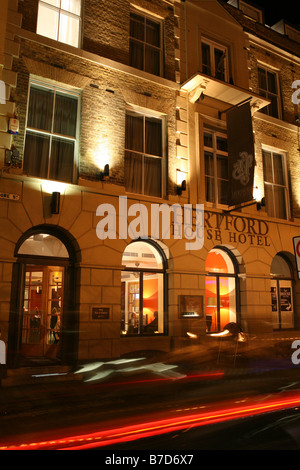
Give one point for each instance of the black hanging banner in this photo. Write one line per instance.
(240, 154)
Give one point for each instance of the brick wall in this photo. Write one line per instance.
(9, 77)
(105, 27)
(103, 106)
(278, 134)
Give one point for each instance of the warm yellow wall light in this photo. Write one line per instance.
(50, 187)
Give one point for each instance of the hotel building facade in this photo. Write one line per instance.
(116, 118)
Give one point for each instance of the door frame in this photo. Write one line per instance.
(70, 325)
(44, 303)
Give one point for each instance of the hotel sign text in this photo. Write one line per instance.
(227, 228)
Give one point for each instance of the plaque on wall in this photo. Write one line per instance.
(100, 313)
(191, 306)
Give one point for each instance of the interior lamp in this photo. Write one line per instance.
(211, 302)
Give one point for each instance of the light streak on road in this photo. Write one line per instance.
(217, 413)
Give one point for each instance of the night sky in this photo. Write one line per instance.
(277, 10)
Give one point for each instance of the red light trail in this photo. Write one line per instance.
(127, 433)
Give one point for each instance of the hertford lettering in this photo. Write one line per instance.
(225, 228)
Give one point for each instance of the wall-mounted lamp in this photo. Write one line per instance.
(260, 204)
(105, 173)
(180, 181)
(181, 188)
(55, 203)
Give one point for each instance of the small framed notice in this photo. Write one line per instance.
(100, 313)
(191, 306)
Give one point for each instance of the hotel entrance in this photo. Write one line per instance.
(43, 325)
(42, 311)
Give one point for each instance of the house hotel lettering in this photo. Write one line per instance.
(119, 116)
(236, 229)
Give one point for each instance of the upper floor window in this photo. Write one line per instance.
(268, 88)
(144, 154)
(51, 133)
(214, 60)
(216, 167)
(275, 184)
(145, 43)
(60, 20)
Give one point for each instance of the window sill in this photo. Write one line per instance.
(276, 121)
(102, 61)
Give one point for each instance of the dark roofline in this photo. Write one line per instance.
(261, 30)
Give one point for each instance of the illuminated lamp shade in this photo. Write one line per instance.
(211, 302)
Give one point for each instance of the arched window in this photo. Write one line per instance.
(142, 290)
(220, 290)
(282, 294)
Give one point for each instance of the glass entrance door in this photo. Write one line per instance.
(42, 311)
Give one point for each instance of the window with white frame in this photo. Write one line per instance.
(60, 20)
(145, 43)
(144, 154)
(51, 133)
(214, 60)
(275, 184)
(268, 88)
(216, 167)
(143, 285)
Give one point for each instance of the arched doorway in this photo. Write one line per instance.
(143, 290)
(282, 293)
(220, 290)
(43, 320)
